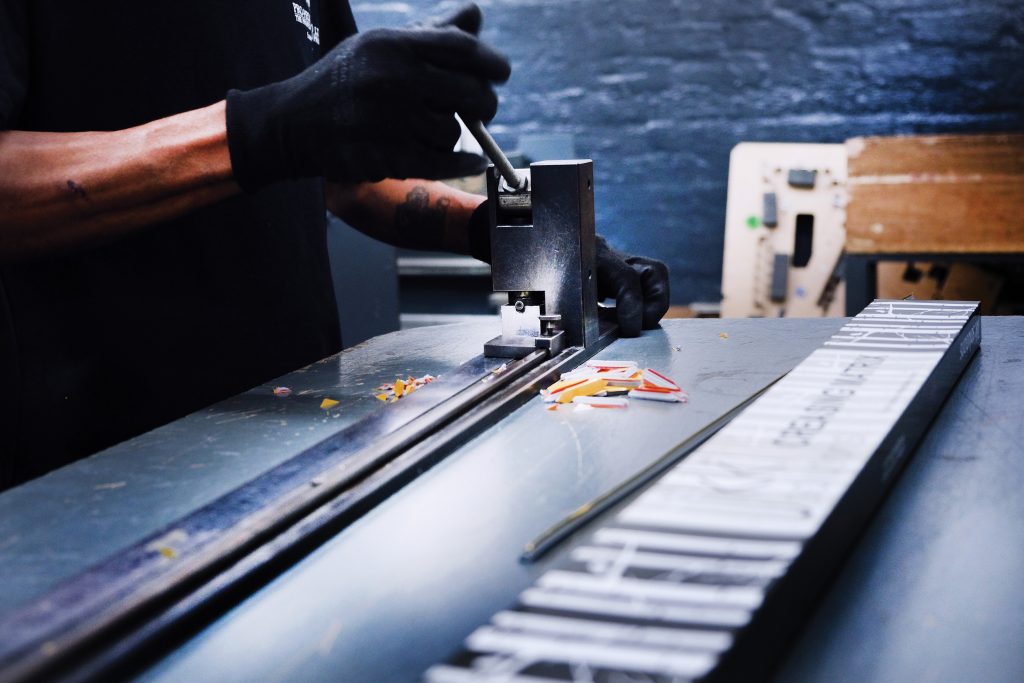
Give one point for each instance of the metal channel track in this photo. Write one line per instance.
(111, 618)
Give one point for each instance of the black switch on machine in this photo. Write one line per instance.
(780, 278)
(770, 212)
(802, 177)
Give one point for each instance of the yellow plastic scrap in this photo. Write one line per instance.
(588, 388)
(564, 384)
(328, 403)
(608, 385)
(389, 393)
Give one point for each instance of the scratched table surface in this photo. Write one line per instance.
(931, 591)
(55, 526)
(399, 589)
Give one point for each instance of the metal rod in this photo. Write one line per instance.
(494, 153)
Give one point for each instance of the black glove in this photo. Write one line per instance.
(379, 105)
(639, 285)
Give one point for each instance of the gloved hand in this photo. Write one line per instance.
(638, 284)
(379, 105)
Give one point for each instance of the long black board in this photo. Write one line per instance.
(707, 573)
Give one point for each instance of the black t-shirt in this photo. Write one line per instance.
(110, 341)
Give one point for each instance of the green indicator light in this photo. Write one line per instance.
(753, 222)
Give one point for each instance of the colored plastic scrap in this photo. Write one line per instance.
(654, 379)
(608, 383)
(586, 388)
(611, 364)
(653, 395)
(564, 384)
(389, 393)
(624, 379)
(282, 391)
(602, 401)
(328, 403)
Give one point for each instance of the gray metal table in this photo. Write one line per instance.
(57, 525)
(931, 588)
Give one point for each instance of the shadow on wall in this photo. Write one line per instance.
(657, 93)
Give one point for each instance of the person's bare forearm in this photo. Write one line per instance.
(63, 190)
(415, 214)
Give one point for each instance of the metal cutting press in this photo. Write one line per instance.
(542, 252)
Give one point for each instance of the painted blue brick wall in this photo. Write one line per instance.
(657, 92)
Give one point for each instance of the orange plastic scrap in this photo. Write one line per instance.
(654, 379)
(656, 390)
(561, 385)
(328, 403)
(550, 395)
(607, 383)
(658, 395)
(586, 388)
(624, 378)
(402, 387)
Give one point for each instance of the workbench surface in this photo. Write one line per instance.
(57, 525)
(931, 591)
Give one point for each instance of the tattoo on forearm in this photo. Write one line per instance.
(418, 224)
(77, 190)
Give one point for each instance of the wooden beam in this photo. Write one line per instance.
(936, 194)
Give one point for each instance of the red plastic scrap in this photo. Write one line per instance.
(603, 383)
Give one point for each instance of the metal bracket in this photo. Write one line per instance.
(542, 254)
